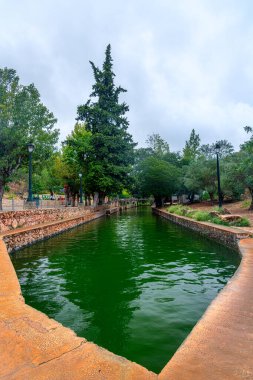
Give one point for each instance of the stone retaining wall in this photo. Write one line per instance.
(225, 235)
(22, 237)
(16, 219)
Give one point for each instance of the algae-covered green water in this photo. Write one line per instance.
(133, 283)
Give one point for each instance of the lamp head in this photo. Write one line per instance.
(80, 175)
(217, 148)
(30, 147)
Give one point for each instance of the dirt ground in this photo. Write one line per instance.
(235, 208)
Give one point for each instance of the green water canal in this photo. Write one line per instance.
(133, 283)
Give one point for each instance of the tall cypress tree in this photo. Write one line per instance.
(110, 155)
(191, 149)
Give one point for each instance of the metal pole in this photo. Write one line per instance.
(218, 177)
(81, 191)
(30, 195)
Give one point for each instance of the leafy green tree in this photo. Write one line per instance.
(240, 172)
(209, 150)
(74, 152)
(201, 175)
(157, 145)
(235, 178)
(23, 119)
(110, 156)
(158, 178)
(191, 149)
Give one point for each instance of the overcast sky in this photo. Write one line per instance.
(185, 63)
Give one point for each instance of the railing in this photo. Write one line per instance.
(21, 204)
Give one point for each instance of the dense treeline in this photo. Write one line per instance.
(194, 171)
(101, 150)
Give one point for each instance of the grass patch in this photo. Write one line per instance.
(244, 222)
(204, 216)
(218, 209)
(178, 210)
(174, 209)
(246, 203)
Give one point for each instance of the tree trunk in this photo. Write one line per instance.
(158, 202)
(73, 200)
(1, 195)
(101, 200)
(191, 197)
(251, 193)
(211, 195)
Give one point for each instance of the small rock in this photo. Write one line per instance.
(231, 218)
(225, 211)
(14, 224)
(214, 213)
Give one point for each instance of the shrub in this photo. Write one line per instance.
(179, 210)
(246, 203)
(220, 210)
(174, 209)
(191, 214)
(217, 220)
(202, 216)
(244, 222)
(205, 196)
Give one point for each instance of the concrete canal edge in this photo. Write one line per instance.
(33, 346)
(220, 346)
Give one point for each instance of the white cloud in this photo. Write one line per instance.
(186, 64)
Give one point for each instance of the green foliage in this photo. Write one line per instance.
(157, 145)
(201, 216)
(110, 154)
(246, 203)
(244, 222)
(201, 175)
(157, 177)
(217, 220)
(174, 208)
(209, 150)
(220, 210)
(204, 216)
(23, 118)
(205, 196)
(191, 149)
(75, 149)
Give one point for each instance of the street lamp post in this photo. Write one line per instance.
(217, 149)
(30, 148)
(81, 188)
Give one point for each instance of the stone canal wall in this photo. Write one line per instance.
(16, 219)
(225, 235)
(22, 237)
